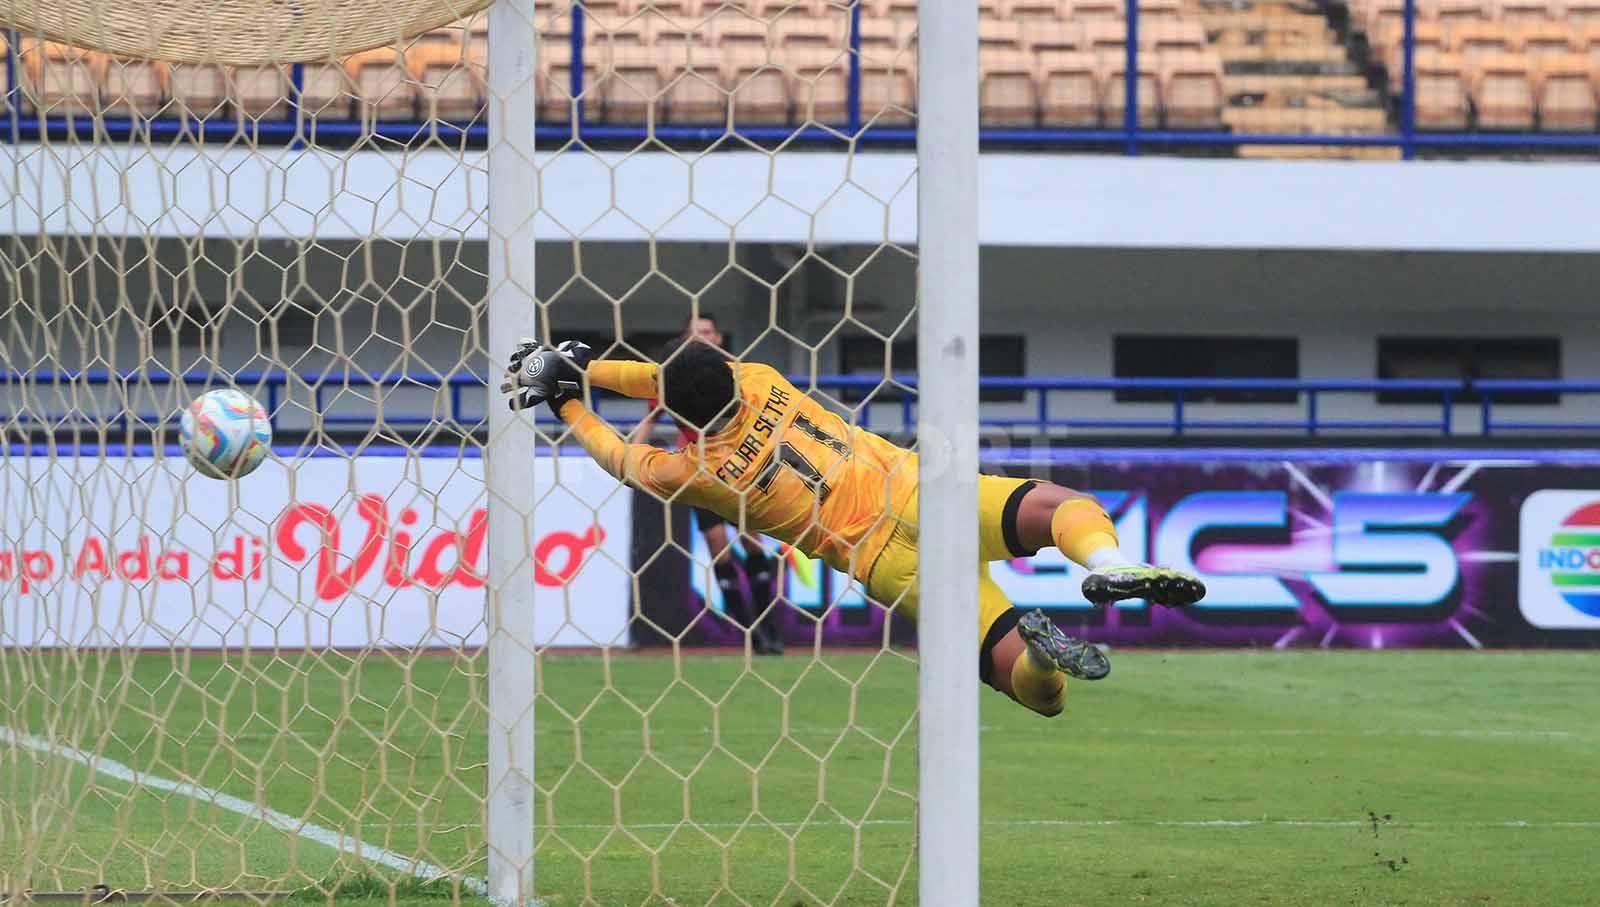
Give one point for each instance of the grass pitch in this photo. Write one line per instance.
(1184, 778)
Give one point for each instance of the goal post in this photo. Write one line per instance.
(509, 456)
(947, 428)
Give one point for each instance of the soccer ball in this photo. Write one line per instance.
(225, 433)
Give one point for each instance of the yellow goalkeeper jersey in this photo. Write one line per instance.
(782, 465)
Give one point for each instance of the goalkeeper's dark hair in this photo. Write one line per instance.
(698, 384)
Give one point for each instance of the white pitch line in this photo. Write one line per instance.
(1091, 823)
(281, 821)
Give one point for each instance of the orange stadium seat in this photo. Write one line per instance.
(898, 9)
(1069, 90)
(1105, 39)
(1425, 36)
(133, 88)
(1544, 39)
(1054, 36)
(632, 85)
(694, 91)
(200, 91)
(1565, 93)
(1114, 93)
(1502, 91)
(889, 89)
(555, 82)
(606, 12)
(1524, 10)
(760, 89)
(1158, 9)
(883, 38)
(808, 33)
(1454, 12)
(1441, 92)
(737, 33)
(1092, 10)
(58, 80)
(1031, 12)
(326, 91)
(1580, 12)
(988, 11)
(1172, 34)
(1587, 40)
(384, 87)
(1001, 36)
(446, 88)
(261, 92)
(1007, 93)
(821, 86)
(1472, 40)
(1191, 85)
(680, 11)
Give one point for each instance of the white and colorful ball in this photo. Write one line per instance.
(226, 434)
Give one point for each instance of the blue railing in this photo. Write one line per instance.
(1129, 136)
(1043, 409)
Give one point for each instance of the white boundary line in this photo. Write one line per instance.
(1395, 824)
(281, 821)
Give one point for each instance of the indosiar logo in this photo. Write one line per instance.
(1560, 560)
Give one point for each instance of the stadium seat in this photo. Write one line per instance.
(1030, 13)
(1052, 36)
(606, 13)
(882, 38)
(1473, 40)
(1502, 91)
(808, 33)
(632, 85)
(134, 88)
(555, 82)
(1426, 36)
(1172, 34)
(446, 88)
(1158, 9)
(1105, 39)
(1007, 93)
(198, 91)
(1455, 12)
(1543, 39)
(679, 11)
(1441, 92)
(325, 91)
(1513, 11)
(898, 9)
(385, 89)
(1095, 10)
(1586, 40)
(1565, 93)
(694, 90)
(759, 88)
(999, 36)
(1114, 93)
(1069, 91)
(889, 89)
(821, 86)
(738, 33)
(261, 92)
(58, 81)
(1580, 12)
(1191, 86)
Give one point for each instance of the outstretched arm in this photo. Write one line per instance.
(641, 465)
(631, 379)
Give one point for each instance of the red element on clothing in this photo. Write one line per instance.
(686, 435)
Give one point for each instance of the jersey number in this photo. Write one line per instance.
(790, 456)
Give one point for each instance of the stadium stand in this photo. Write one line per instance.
(1263, 66)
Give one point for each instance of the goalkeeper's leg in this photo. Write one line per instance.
(1034, 515)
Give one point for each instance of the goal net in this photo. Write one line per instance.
(319, 679)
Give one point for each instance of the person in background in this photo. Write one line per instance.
(749, 586)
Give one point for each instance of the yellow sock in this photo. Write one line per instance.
(1039, 687)
(1081, 527)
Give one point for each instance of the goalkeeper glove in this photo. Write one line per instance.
(537, 375)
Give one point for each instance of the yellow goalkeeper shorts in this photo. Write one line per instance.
(891, 579)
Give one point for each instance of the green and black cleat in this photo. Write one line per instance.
(1158, 585)
(1049, 644)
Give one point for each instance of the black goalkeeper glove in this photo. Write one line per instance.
(538, 375)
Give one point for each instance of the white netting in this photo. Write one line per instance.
(279, 684)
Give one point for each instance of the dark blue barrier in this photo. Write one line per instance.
(295, 129)
(1044, 416)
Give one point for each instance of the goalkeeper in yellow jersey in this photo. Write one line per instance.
(773, 461)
